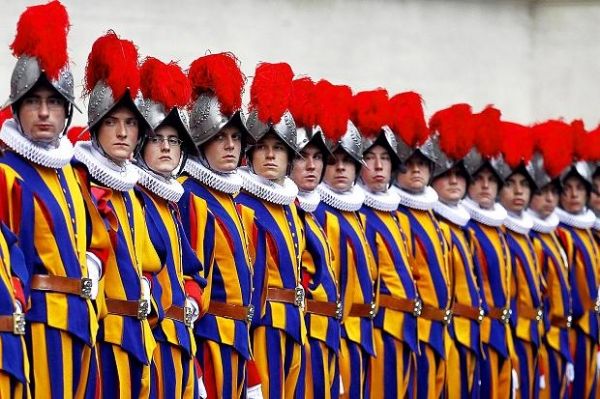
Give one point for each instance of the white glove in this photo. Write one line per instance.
(542, 381)
(254, 392)
(94, 269)
(515, 383)
(597, 362)
(145, 294)
(570, 372)
(342, 390)
(18, 307)
(193, 305)
(201, 389)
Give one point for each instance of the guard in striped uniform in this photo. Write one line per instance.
(526, 304)
(210, 182)
(160, 159)
(554, 155)
(353, 264)
(455, 128)
(276, 236)
(492, 256)
(428, 249)
(575, 234)
(393, 370)
(125, 341)
(44, 206)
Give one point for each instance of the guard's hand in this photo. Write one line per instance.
(202, 389)
(94, 269)
(570, 372)
(191, 304)
(515, 383)
(254, 392)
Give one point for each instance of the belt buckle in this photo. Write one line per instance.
(506, 313)
(418, 307)
(85, 288)
(188, 316)
(250, 314)
(339, 310)
(19, 323)
(372, 311)
(143, 309)
(539, 314)
(447, 316)
(299, 296)
(481, 315)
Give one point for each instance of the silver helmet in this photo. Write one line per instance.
(351, 144)
(540, 176)
(207, 120)
(386, 139)
(313, 135)
(428, 149)
(285, 129)
(474, 162)
(582, 170)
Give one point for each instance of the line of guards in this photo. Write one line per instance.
(358, 253)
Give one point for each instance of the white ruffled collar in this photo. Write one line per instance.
(308, 201)
(583, 220)
(170, 190)
(545, 226)
(229, 183)
(119, 178)
(490, 217)
(386, 201)
(456, 214)
(520, 224)
(597, 224)
(423, 201)
(349, 201)
(49, 157)
(266, 189)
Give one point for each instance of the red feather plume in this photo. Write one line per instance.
(75, 134)
(5, 113)
(455, 127)
(271, 91)
(114, 61)
(333, 109)
(407, 119)
(554, 141)
(219, 74)
(302, 105)
(165, 84)
(517, 143)
(593, 142)
(42, 33)
(370, 111)
(581, 151)
(487, 131)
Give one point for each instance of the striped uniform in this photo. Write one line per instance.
(583, 258)
(46, 209)
(14, 363)
(125, 343)
(278, 332)
(428, 254)
(320, 365)
(393, 371)
(464, 349)
(173, 370)
(225, 342)
(527, 313)
(493, 271)
(557, 304)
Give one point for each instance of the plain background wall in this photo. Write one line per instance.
(532, 59)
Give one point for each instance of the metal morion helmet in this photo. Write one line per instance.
(112, 78)
(407, 121)
(517, 149)
(585, 152)
(333, 118)
(454, 127)
(217, 87)
(166, 90)
(41, 48)
(554, 150)
(270, 95)
(370, 112)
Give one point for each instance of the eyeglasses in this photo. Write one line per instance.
(35, 103)
(172, 141)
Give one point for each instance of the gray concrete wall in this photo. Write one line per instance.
(533, 59)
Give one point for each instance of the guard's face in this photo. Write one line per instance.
(376, 176)
(450, 186)
(222, 152)
(573, 195)
(162, 151)
(415, 175)
(515, 193)
(341, 174)
(308, 168)
(270, 158)
(595, 196)
(544, 201)
(118, 134)
(42, 114)
(484, 188)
